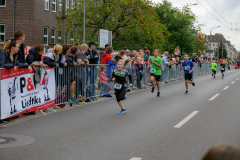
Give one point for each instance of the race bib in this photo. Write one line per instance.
(187, 67)
(153, 70)
(222, 69)
(118, 86)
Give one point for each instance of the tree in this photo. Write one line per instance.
(180, 27)
(133, 23)
(220, 51)
(202, 44)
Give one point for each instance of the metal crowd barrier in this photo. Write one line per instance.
(85, 80)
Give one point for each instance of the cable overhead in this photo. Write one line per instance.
(213, 15)
(219, 14)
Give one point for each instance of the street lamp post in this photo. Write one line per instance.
(211, 37)
(84, 22)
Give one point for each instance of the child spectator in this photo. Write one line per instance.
(51, 58)
(139, 71)
(104, 81)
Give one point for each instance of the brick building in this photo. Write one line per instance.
(36, 18)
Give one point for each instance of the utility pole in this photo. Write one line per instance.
(63, 21)
(222, 50)
(84, 22)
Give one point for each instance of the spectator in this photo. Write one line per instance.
(106, 59)
(125, 48)
(164, 66)
(9, 57)
(133, 53)
(52, 57)
(82, 59)
(145, 50)
(104, 81)
(93, 59)
(126, 56)
(139, 70)
(223, 152)
(77, 45)
(62, 74)
(176, 51)
(71, 62)
(141, 51)
(19, 37)
(34, 58)
(119, 56)
(146, 56)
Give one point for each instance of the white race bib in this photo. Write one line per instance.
(153, 70)
(187, 67)
(222, 69)
(118, 86)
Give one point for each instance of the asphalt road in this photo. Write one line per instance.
(174, 126)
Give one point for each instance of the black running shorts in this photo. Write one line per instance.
(156, 77)
(188, 76)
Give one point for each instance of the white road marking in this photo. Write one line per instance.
(225, 88)
(180, 124)
(215, 96)
(233, 82)
(237, 79)
(135, 158)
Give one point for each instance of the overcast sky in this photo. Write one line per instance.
(228, 9)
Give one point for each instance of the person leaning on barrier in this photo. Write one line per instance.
(119, 56)
(34, 59)
(71, 62)
(9, 57)
(222, 152)
(52, 57)
(82, 59)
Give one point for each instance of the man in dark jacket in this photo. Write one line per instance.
(34, 58)
(93, 59)
(19, 37)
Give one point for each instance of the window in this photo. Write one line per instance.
(46, 4)
(46, 35)
(67, 4)
(2, 33)
(66, 37)
(2, 3)
(72, 4)
(53, 36)
(54, 5)
(60, 5)
(59, 36)
(72, 40)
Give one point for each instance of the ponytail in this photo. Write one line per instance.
(9, 45)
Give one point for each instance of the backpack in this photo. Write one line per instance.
(88, 94)
(60, 101)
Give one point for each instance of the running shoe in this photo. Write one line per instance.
(152, 89)
(73, 100)
(222, 76)
(125, 97)
(158, 94)
(186, 92)
(123, 111)
(193, 84)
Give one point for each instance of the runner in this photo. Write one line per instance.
(222, 65)
(188, 68)
(214, 68)
(155, 70)
(120, 75)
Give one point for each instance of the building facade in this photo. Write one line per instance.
(36, 18)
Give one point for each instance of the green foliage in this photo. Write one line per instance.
(180, 26)
(202, 44)
(220, 51)
(134, 23)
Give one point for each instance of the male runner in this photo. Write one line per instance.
(155, 70)
(214, 68)
(188, 68)
(222, 65)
